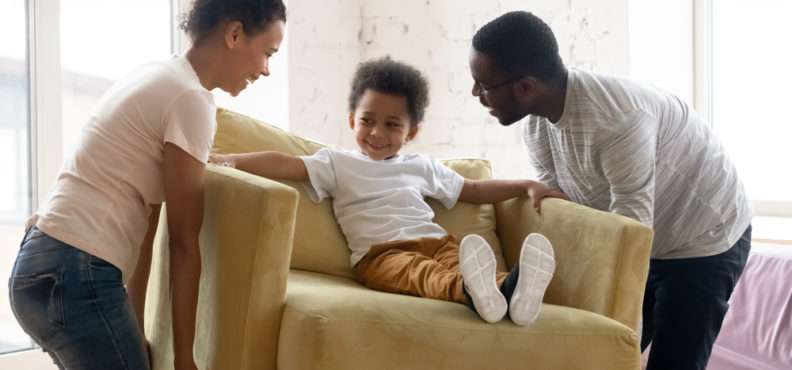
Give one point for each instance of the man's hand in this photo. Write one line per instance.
(537, 191)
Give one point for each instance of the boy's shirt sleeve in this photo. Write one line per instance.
(442, 183)
(321, 174)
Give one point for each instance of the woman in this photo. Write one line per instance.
(147, 142)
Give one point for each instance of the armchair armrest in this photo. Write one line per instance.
(602, 259)
(246, 240)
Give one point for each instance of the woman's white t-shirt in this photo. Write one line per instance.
(381, 201)
(100, 200)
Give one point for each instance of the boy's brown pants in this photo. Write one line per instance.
(425, 267)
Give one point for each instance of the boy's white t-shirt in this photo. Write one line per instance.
(100, 200)
(381, 201)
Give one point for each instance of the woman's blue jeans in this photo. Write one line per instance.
(75, 306)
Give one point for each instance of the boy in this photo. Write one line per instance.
(378, 199)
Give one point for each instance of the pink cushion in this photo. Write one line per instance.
(757, 329)
(758, 325)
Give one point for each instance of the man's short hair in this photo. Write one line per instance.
(255, 16)
(395, 78)
(519, 43)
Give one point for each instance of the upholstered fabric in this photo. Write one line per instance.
(602, 259)
(757, 329)
(237, 133)
(332, 323)
(245, 242)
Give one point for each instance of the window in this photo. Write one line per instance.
(89, 30)
(751, 93)
(727, 58)
(15, 171)
(92, 43)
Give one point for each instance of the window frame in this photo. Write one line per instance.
(45, 115)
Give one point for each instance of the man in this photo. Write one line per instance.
(635, 150)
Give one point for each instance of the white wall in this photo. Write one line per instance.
(329, 38)
(661, 45)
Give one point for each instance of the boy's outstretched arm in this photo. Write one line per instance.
(494, 191)
(274, 165)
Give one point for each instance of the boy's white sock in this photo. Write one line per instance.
(478, 266)
(536, 267)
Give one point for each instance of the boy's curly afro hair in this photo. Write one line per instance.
(394, 78)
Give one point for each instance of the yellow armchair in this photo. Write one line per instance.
(245, 241)
(329, 321)
(602, 259)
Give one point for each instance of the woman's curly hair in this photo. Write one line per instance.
(255, 16)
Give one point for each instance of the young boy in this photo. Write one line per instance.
(378, 199)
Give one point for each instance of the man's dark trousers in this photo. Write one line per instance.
(684, 305)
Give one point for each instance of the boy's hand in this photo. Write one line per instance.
(226, 160)
(538, 191)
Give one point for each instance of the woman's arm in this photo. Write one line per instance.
(494, 191)
(184, 195)
(273, 165)
(138, 284)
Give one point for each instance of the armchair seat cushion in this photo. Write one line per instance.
(332, 322)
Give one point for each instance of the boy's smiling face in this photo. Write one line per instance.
(381, 124)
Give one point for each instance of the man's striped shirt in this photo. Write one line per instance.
(641, 152)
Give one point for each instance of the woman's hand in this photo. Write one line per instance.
(537, 191)
(227, 160)
(148, 352)
(184, 364)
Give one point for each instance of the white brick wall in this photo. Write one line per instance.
(328, 38)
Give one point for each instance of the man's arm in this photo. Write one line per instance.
(269, 164)
(627, 156)
(494, 191)
(540, 154)
(184, 195)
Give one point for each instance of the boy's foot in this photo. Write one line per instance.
(478, 266)
(536, 267)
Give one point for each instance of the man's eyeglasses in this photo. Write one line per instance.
(486, 89)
